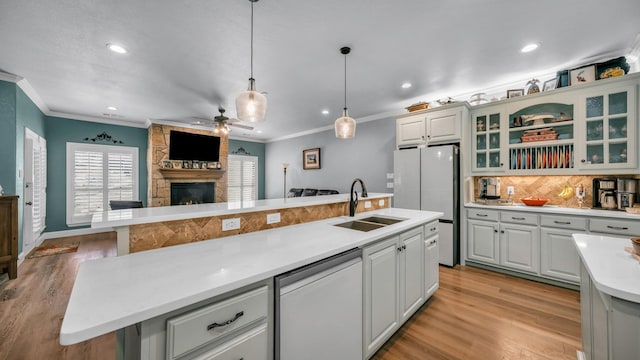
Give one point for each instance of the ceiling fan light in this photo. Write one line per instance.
(345, 126)
(251, 105)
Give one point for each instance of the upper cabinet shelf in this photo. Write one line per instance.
(430, 127)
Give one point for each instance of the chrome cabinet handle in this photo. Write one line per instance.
(404, 247)
(482, 215)
(517, 218)
(399, 249)
(617, 227)
(215, 325)
(495, 230)
(501, 231)
(562, 222)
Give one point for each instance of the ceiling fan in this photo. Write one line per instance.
(222, 123)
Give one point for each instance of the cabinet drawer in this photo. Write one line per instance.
(430, 229)
(518, 217)
(615, 227)
(563, 222)
(481, 214)
(193, 329)
(250, 345)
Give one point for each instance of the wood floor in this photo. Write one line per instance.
(476, 314)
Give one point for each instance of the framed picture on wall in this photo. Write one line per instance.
(514, 92)
(311, 159)
(582, 75)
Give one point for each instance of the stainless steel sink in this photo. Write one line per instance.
(369, 223)
(382, 220)
(360, 225)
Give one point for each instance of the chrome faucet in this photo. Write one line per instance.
(353, 202)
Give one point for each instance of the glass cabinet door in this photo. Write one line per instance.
(606, 130)
(486, 138)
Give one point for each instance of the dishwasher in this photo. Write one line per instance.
(318, 310)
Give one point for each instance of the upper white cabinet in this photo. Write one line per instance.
(584, 128)
(410, 130)
(429, 127)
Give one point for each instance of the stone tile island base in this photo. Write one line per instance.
(162, 234)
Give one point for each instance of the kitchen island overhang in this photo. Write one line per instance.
(113, 293)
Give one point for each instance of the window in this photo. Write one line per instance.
(97, 174)
(242, 176)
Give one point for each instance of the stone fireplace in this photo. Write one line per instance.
(161, 180)
(189, 193)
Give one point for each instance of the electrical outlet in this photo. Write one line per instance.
(231, 224)
(367, 204)
(389, 175)
(510, 190)
(390, 185)
(381, 202)
(273, 218)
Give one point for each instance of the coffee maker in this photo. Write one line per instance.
(627, 191)
(604, 193)
(489, 187)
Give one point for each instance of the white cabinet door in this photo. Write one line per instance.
(520, 247)
(381, 293)
(488, 143)
(431, 268)
(444, 126)
(558, 255)
(483, 244)
(411, 273)
(410, 130)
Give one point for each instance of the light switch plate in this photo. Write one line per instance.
(381, 202)
(389, 175)
(510, 190)
(231, 224)
(273, 218)
(367, 204)
(390, 185)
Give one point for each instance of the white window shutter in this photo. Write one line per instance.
(242, 179)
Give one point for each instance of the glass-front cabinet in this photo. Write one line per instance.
(487, 140)
(608, 140)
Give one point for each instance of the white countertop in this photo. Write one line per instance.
(613, 271)
(125, 217)
(552, 209)
(116, 292)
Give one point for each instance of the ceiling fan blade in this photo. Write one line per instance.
(247, 127)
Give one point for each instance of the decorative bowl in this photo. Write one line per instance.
(418, 106)
(635, 241)
(531, 201)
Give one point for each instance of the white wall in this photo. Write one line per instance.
(368, 156)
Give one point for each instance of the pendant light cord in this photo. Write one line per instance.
(252, 39)
(345, 81)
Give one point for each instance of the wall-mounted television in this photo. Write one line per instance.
(188, 146)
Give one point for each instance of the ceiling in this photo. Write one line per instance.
(186, 58)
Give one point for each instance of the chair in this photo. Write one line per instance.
(309, 192)
(125, 204)
(293, 192)
(327, 192)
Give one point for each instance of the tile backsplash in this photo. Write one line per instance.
(547, 187)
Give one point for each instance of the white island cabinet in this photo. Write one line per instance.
(215, 299)
(609, 298)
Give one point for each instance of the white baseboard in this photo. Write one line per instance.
(580, 355)
(67, 233)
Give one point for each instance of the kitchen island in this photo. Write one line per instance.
(150, 228)
(120, 292)
(609, 298)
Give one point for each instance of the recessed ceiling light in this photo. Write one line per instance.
(259, 131)
(406, 85)
(112, 108)
(325, 112)
(117, 48)
(529, 47)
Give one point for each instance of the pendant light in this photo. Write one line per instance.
(345, 126)
(251, 105)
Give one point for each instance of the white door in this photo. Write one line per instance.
(27, 201)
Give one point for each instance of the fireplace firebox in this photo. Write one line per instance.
(192, 193)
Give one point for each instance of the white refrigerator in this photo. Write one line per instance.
(428, 179)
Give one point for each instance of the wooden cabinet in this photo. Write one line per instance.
(430, 127)
(431, 260)
(9, 235)
(393, 285)
(410, 131)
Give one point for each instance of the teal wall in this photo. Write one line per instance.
(255, 149)
(8, 137)
(59, 132)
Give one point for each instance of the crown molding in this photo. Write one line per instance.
(33, 95)
(9, 77)
(96, 119)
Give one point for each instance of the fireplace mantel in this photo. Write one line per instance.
(192, 173)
